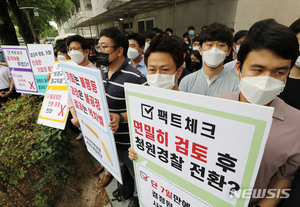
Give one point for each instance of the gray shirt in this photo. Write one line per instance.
(199, 83)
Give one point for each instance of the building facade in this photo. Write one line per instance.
(144, 15)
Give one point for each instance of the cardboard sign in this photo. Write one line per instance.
(42, 59)
(19, 65)
(194, 150)
(89, 99)
(54, 111)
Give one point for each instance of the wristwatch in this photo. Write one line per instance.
(121, 118)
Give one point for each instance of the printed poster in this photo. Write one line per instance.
(42, 59)
(194, 150)
(89, 99)
(19, 65)
(54, 111)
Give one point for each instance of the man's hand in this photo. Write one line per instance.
(75, 121)
(4, 94)
(132, 154)
(114, 123)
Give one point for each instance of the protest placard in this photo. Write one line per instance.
(54, 110)
(89, 99)
(19, 65)
(194, 150)
(42, 59)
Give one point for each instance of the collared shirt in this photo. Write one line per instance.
(199, 83)
(115, 95)
(282, 152)
(141, 66)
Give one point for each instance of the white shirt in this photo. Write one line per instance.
(4, 77)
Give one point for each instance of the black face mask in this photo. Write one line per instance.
(92, 58)
(103, 59)
(194, 66)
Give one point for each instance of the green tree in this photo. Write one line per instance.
(7, 30)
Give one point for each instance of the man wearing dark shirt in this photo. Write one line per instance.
(112, 48)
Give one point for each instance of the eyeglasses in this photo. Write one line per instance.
(102, 48)
(74, 48)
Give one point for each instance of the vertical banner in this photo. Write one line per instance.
(89, 99)
(19, 65)
(194, 150)
(54, 111)
(42, 59)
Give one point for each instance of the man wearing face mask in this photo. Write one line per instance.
(264, 62)
(164, 60)
(293, 81)
(112, 50)
(238, 39)
(135, 52)
(215, 46)
(78, 50)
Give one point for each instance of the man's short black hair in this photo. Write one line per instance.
(295, 26)
(191, 28)
(118, 38)
(217, 32)
(169, 30)
(140, 39)
(149, 34)
(239, 34)
(77, 38)
(268, 34)
(165, 43)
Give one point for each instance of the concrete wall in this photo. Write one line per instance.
(197, 13)
(251, 11)
(98, 7)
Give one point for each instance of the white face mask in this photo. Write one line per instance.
(161, 80)
(297, 63)
(260, 89)
(187, 42)
(132, 53)
(146, 47)
(237, 48)
(76, 56)
(61, 58)
(214, 57)
(196, 48)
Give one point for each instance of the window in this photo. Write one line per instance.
(145, 25)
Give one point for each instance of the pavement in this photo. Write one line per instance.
(110, 189)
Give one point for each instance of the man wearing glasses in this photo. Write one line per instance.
(112, 49)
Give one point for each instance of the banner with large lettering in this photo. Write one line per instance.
(194, 150)
(89, 99)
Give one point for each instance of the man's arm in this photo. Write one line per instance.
(115, 120)
(279, 185)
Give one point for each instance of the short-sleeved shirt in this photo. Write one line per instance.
(4, 77)
(282, 152)
(141, 67)
(115, 95)
(199, 83)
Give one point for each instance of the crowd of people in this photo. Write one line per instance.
(259, 66)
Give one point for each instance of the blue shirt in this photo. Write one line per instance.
(199, 83)
(141, 67)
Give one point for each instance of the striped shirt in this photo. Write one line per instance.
(115, 95)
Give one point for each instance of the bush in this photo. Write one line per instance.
(33, 158)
